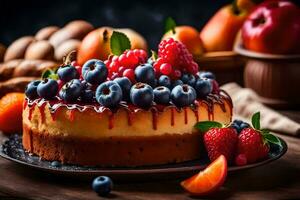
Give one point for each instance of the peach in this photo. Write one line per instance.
(220, 31)
(189, 36)
(97, 43)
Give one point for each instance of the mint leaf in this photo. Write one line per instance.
(256, 121)
(119, 42)
(154, 55)
(206, 125)
(50, 74)
(170, 24)
(272, 139)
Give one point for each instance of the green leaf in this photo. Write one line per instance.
(154, 55)
(50, 74)
(170, 24)
(46, 73)
(119, 42)
(272, 139)
(206, 125)
(256, 121)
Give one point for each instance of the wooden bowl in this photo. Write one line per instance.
(228, 66)
(275, 78)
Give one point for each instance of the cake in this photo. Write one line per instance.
(63, 127)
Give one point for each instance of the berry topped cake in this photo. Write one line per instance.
(125, 111)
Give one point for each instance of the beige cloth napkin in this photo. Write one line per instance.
(245, 104)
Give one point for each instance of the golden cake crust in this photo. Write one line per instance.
(93, 135)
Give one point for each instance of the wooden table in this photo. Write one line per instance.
(277, 180)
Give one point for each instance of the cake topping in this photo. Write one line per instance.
(169, 78)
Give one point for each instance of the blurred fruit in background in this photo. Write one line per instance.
(2, 52)
(97, 43)
(11, 113)
(220, 31)
(189, 36)
(273, 27)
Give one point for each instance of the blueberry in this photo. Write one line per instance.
(55, 164)
(177, 82)
(109, 94)
(236, 127)
(71, 90)
(125, 85)
(203, 87)
(47, 88)
(141, 95)
(94, 71)
(244, 125)
(67, 73)
(87, 95)
(237, 121)
(162, 95)
(145, 73)
(206, 74)
(164, 81)
(183, 95)
(188, 79)
(102, 185)
(31, 89)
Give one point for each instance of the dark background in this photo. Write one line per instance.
(19, 18)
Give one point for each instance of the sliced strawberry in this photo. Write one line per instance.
(208, 180)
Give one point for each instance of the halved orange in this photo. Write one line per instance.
(208, 180)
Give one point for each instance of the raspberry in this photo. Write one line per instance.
(129, 73)
(166, 69)
(176, 54)
(130, 59)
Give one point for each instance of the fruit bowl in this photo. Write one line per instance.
(272, 77)
(228, 66)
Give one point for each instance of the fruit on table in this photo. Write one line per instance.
(102, 185)
(209, 180)
(220, 31)
(221, 141)
(11, 106)
(273, 27)
(189, 36)
(97, 43)
(67, 73)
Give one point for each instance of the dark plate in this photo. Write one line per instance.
(12, 150)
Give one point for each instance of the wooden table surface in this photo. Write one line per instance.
(277, 180)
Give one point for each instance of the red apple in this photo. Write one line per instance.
(273, 27)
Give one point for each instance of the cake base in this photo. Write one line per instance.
(115, 151)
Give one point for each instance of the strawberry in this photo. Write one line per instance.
(221, 141)
(253, 143)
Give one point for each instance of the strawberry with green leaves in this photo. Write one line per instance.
(250, 146)
(254, 143)
(218, 139)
